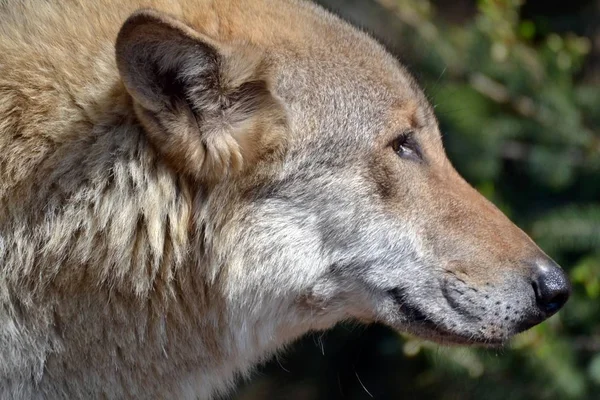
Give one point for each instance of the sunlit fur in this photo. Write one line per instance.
(159, 239)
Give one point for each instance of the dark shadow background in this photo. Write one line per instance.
(516, 85)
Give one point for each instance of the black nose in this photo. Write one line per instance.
(551, 285)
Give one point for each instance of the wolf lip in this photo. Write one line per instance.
(426, 328)
(412, 312)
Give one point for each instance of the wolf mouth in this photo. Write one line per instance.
(426, 327)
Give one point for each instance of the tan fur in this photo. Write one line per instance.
(157, 244)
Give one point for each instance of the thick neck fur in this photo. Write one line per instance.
(111, 273)
(104, 268)
(105, 252)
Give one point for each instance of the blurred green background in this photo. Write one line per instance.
(516, 86)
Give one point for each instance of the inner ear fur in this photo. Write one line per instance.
(205, 106)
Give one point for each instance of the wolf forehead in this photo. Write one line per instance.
(353, 91)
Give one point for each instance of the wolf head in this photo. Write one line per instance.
(323, 189)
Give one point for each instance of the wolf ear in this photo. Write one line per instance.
(206, 108)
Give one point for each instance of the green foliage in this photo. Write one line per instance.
(522, 123)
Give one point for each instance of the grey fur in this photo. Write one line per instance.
(142, 259)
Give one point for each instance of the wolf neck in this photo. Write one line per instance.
(117, 242)
(99, 264)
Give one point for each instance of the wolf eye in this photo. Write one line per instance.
(406, 146)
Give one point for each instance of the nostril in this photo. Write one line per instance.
(551, 287)
(536, 290)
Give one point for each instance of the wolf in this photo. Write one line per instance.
(186, 186)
